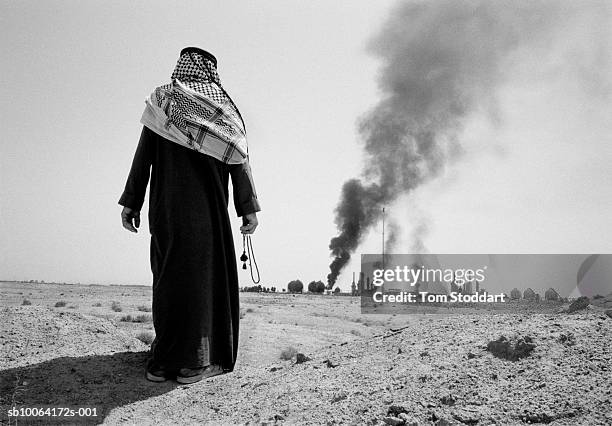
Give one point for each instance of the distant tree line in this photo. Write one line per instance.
(259, 289)
(295, 286)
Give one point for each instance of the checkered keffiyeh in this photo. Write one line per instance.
(195, 111)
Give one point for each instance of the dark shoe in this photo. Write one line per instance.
(213, 370)
(156, 374)
(191, 375)
(187, 376)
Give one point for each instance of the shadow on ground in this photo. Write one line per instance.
(98, 381)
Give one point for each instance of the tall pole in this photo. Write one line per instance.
(383, 238)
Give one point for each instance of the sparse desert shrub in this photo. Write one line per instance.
(295, 286)
(97, 305)
(249, 310)
(513, 349)
(567, 339)
(579, 304)
(301, 358)
(26, 302)
(116, 307)
(72, 307)
(288, 353)
(60, 304)
(144, 308)
(142, 318)
(242, 313)
(146, 337)
(356, 333)
(598, 296)
(139, 318)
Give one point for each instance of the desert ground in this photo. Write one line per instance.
(305, 359)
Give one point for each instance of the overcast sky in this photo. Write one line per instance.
(534, 177)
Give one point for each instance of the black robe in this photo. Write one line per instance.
(195, 280)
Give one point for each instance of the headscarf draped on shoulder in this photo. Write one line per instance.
(195, 111)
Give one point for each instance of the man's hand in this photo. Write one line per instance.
(127, 215)
(249, 223)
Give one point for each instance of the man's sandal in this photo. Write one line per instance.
(187, 376)
(157, 375)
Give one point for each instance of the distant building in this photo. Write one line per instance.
(361, 282)
(551, 294)
(467, 288)
(353, 286)
(529, 294)
(515, 294)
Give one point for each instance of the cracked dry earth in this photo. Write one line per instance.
(408, 369)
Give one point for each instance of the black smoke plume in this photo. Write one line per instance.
(442, 61)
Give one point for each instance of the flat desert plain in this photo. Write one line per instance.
(303, 359)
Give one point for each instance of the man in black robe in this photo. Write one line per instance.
(195, 279)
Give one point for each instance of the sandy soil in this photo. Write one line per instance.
(362, 369)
